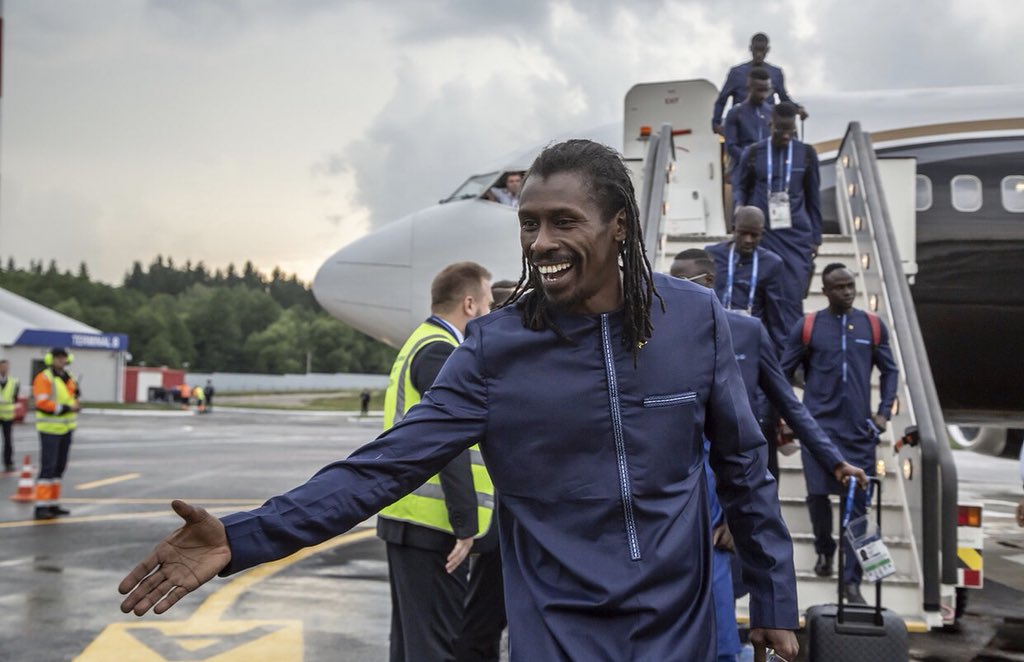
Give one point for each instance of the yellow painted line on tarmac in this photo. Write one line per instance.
(214, 607)
(107, 481)
(206, 634)
(108, 518)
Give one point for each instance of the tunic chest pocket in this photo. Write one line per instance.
(670, 400)
(671, 441)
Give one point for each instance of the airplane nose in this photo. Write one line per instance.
(366, 283)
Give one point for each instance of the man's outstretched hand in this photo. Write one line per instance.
(179, 564)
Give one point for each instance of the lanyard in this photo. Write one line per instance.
(789, 166)
(729, 278)
(843, 323)
(849, 502)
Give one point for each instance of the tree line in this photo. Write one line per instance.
(221, 320)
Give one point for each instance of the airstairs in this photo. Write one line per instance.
(919, 489)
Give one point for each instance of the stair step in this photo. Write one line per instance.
(804, 556)
(792, 484)
(798, 520)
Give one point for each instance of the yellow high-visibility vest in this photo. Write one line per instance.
(7, 399)
(61, 423)
(425, 506)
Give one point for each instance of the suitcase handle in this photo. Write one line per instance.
(845, 506)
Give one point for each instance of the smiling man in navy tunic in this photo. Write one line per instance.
(590, 394)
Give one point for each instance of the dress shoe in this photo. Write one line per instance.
(853, 595)
(823, 568)
(44, 512)
(57, 510)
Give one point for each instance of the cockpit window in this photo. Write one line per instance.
(474, 187)
(966, 190)
(1012, 193)
(924, 193)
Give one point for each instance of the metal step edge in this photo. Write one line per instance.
(808, 538)
(898, 579)
(887, 505)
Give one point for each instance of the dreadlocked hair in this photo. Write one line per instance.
(609, 180)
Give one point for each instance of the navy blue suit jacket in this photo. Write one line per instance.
(765, 382)
(770, 304)
(735, 88)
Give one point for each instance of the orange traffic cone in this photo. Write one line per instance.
(26, 483)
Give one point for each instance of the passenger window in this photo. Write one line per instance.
(966, 190)
(1012, 193)
(924, 193)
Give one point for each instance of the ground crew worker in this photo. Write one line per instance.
(485, 619)
(837, 348)
(364, 402)
(735, 87)
(200, 397)
(767, 387)
(208, 393)
(780, 176)
(430, 532)
(57, 407)
(184, 395)
(752, 276)
(590, 394)
(750, 121)
(8, 398)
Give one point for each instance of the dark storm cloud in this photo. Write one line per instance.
(424, 142)
(417, 152)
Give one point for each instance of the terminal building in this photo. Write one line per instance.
(29, 330)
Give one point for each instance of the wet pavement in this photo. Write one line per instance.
(58, 597)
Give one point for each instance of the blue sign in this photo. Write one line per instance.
(114, 342)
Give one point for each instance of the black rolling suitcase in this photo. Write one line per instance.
(855, 633)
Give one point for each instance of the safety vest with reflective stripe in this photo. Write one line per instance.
(66, 421)
(426, 506)
(7, 399)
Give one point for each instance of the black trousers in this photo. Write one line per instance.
(8, 442)
(427, 604)
(53, 455)
(484, 621)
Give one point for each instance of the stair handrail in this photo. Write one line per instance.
(660, 151)
(938, 469)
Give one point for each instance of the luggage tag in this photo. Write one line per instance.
(874, 558)
(866, 540)
(778, 211)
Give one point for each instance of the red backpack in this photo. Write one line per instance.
(876, 328)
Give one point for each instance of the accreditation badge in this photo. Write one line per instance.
(869, 548)
(778, 211)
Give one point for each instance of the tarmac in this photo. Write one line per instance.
(58, 579)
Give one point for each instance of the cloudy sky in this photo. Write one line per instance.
(276, 131)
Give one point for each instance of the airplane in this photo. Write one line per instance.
(965, 264)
